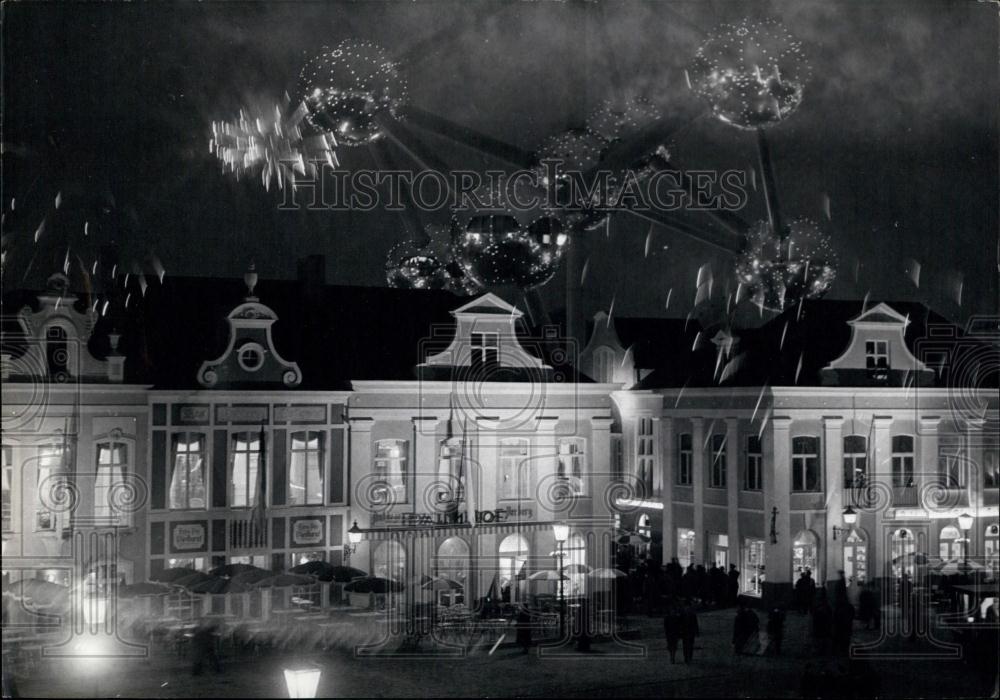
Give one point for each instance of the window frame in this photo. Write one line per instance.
(185, 437)
(850, 460)
(685, 460)
(645, 459)
(56, 453)
(576, 475)
(717, 461)
(7, 474)
(753, 465)
(877, 359)
(521, 487)
(320, 452)
(250, 453)
(903, 462)
(401, 474)
(801, 464)
(480, 348)
(107, 513)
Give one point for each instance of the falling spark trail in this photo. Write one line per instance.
(58, 199)
(864, 302)
(784, 330)
(649, 240)
(697, 341)
(86, 228)
(857, 269)
(798, 369)
(611, 310)
(628, 354)
(681, 393)
(607, 228)
(826, 206)
(760, 398)
(40, 230)
(798, 314)
(912, 269)
(763, 423)
(669, 294)
(583, 273)
(687, 320)
(753, 178)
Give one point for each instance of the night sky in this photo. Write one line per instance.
(111, 105)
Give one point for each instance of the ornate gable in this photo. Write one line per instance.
(250, 358)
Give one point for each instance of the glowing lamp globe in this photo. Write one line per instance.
(302, 682)
(354, 535)
(408, 266)
(965, 521)
(850, 516)
(561, 532)
(347, 87)
(779, 273)
(496, 249)
(751, 73)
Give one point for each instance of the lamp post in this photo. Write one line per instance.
(354, 536)
(965, 524)
(561, 532)
(850, 517)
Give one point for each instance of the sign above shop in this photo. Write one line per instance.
(308, 531)
(187, 537)
(920, 513)
(483, 517)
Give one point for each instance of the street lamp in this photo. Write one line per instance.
(850, 517)
(965, 524)
(302, 682)
(561, 532)
(354, 536)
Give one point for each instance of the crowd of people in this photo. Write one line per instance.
(650, 587)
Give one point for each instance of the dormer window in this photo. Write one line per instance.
(251, 357)
(485, 349)
(877, 358)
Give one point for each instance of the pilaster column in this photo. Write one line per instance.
(777, 504)
(599, 476)
(668, 478)
(974, 483)
(833, 460)
(881, 470)
(361, 469)
(698, 486)
(733, 489)
(425, 465)
(657, 479)
(928, 445)
(545, 467)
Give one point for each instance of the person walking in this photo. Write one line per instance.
(734, 585)
(843, 627)
(822, 624)
(523, 629)
(689, 630)
(673, 627)
(746, 627)
(805, 591)
(775, 630)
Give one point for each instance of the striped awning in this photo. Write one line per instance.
(433, 531)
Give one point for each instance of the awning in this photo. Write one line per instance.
(430, 531)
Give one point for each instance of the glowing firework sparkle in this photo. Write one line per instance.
(622, 119)
(751, 73)
(780, 273)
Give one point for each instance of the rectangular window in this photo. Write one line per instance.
(753, 476)
(390, 467)
(717, 473)
(244, 461)
(515, 474)
(902, 461)
(855, 461)
(877, 357)
(805, 464)
(950, 468)
(485, 349)
(187, 483)
(572, 464)
(617, 456)
(991, 468)
(451, 471)
(50, 466)
(685, 456)
(8, 487)
(644, 454)
(305, 468)
(112, 465)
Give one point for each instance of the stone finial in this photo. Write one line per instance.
(250, 279)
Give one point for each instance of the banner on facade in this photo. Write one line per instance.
(188, 537)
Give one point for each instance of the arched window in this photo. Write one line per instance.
(390, 467)
(856, 556)
(991, 548)
(305, 468)
(685, 546)
(515, 469)
(453, 565)
(112, 466)
(187, 483)
(604, 364)
(389, 561)
(902, 460)
(513, 558)
(244, 460)
(450, 471)
(950, 543)
(805, 553)
(805, 464)
(855, 461)
(904, 545)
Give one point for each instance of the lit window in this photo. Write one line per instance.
(991, 468)
(244, 461)
(50, 465)
(485, 349)
(112, 465)
(902, 461)
(390, 468)
(753, 476)
(644, 454)
(187, 484)
(451, 471)
(515, 474)
(8, 487)
(572, 463)
(685, 457)
(877, 358)
(805, 464)
(951, 470)
(717, 474)
(305, 469)
(855, 461)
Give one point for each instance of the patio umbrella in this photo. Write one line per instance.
(606, 573)
(419, 580)
(344, 574)
(373, 584)
(231, 570)
(142, 589)
(318, 568)
(576, 569)
(285, 580)
(547, 575)
(250, 577)
(439, 583)
(633, 538)
(958, 566)
(218, 586)
(171, 575)
(915, 558)
(192, 579)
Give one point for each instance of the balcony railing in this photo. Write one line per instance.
(247, 534)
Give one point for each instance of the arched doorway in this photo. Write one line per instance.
(805, 554)
(950, 543)
(513, 556)
(453, 566)
(991, 548)
(389, 561)
(904, 546)
(855, 562)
